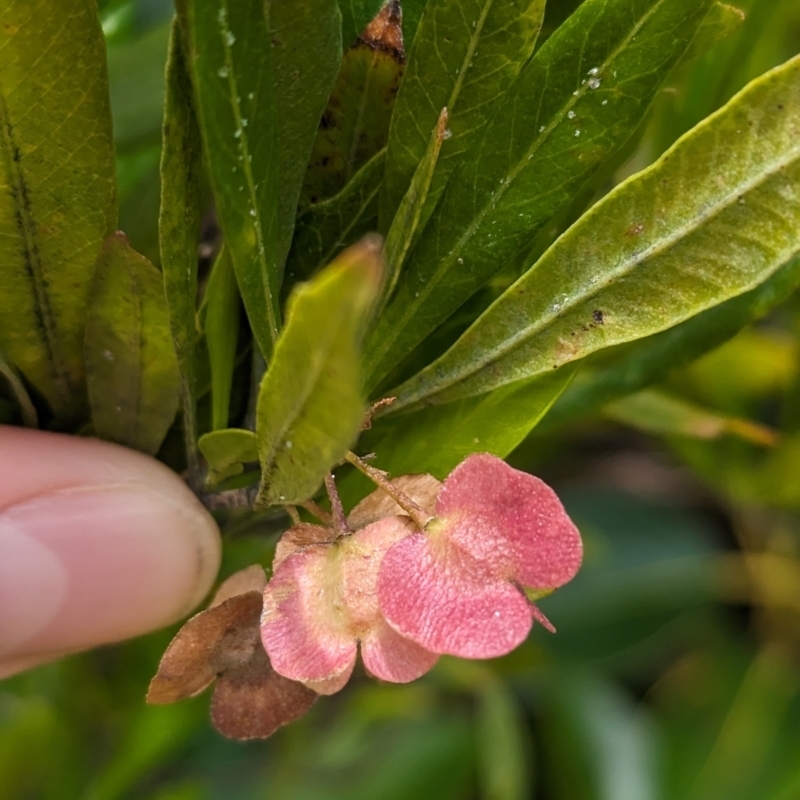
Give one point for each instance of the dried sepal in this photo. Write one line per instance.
(253, 701)
(249, 579)
(300, 537)
(223, 642)
(210, 642)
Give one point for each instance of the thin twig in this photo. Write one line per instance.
(340, 527)
(320, 513)
(381, 479)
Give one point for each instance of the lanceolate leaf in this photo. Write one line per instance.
(326, 229)
(465, 56)
(302, 86)
(408, 222)
(703, 224)
(132, 372)
(179, 227)
(654, 411)
(721, 21)
(634, 365)
(235, 94)
(227, 451)
(57, 189)
(436, 439)
(221, 326)
(355, 124)
(310, 404)
(577, 101)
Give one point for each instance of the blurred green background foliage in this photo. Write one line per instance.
(675, 672)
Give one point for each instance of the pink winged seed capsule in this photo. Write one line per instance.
(321, 603)
(458, 588)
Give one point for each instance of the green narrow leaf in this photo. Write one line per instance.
(132, 372)
(654, 411)
(302, 87)
(235, 99)
(310, 404)
(406, 223)
(227, 451)
(179, 227)
(465, 56)
(327, 228)
(722, 21)
(703, 224)
(355, 16)
(57, 189)
(221, 326)
(355, 124)
(575, 103)
(635, 365)
(439, 438)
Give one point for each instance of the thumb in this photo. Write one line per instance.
(97, 544)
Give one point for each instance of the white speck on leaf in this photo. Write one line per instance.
(571, 114)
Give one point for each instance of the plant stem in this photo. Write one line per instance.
(381, 479)
(320, 513)
(340, 527)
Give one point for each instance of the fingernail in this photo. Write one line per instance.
(88, 566)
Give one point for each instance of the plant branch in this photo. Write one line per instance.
(381, 479)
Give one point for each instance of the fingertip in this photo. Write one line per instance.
(97, 544)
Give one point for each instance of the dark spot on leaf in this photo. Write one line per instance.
(597, 315)
(635, 229)
(385, 32)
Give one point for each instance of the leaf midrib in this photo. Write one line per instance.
(314, 376)
(223, 30)
(26, 226)
(626, 267)
(433, 280)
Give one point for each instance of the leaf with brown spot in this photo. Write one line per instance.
(355, 124)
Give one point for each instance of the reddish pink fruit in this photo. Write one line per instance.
(458, 588)
(321, 603)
